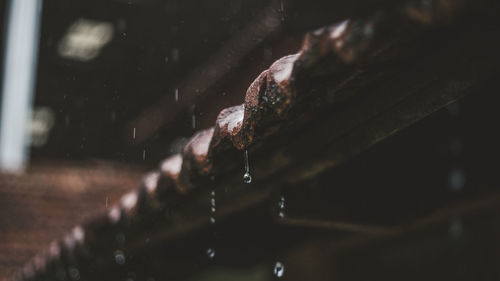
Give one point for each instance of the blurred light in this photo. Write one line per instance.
(84, 39)
(41, 124)
(457, 179)
(19, 71)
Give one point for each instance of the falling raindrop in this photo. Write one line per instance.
(212, 206)
(211, 253)
(119, 257)
(176, 94)
(281, 206)
(282, 10)
(247, 178)
(279, 269)
(144, 154)
(133, 134)
(193, 121)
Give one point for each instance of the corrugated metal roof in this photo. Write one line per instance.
(279, 94)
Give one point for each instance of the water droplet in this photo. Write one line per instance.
(211, 253)
(133, 134)
(176, 94)
(212, 204)
(120, 257)
(279, 269)
(144, 154)
(282, 11)
(193, 121)
(281, 206)
(247, 178)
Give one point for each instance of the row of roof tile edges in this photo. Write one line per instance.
(272, 95)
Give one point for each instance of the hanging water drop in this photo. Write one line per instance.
(211, 253)
(247, 178)
(279, 269)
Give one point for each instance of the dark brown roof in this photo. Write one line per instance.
(296, 92)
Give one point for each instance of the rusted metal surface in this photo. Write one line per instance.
(280, 94)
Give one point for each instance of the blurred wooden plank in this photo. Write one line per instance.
(50, 199)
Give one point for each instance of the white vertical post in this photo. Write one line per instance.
(19, 76)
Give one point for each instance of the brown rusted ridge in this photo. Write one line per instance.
(269, 101)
